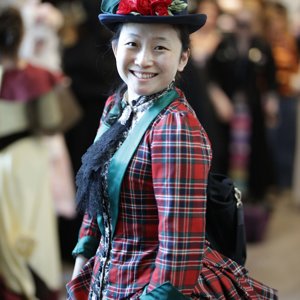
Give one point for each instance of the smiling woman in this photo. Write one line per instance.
(148, 57)
(142, 184)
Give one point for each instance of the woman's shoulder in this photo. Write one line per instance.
(179, 112)
(180, 105)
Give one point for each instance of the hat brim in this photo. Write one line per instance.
(192, 21)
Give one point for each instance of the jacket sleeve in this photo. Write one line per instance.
(181, 156)
(89, 237)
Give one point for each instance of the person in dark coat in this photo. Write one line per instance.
(243, 67)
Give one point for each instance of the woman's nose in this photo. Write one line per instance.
(144, 58)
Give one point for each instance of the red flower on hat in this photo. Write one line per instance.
(134, 6)
(160, 7)
(144, 7)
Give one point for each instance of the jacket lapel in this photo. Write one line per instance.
(122, 157)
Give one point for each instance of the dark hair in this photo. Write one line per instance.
(11, 31)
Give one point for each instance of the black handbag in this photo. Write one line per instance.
(225, 227)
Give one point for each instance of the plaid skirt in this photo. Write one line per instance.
(220, 278)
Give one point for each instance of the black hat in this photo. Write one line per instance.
(149, 11)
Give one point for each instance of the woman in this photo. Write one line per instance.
(147, 239)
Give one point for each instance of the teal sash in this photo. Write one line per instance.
(122, 157)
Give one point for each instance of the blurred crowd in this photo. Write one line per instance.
(243, 80)
(247, 63)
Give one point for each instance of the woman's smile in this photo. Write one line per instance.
(143, 75)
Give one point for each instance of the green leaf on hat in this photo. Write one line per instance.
(110, 6)
(177, 6)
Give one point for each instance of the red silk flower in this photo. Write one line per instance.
(160, 7)
(144, 7)
(139, 6)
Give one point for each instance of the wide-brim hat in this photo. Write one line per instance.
(172, 12)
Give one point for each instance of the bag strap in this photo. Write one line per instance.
(122, 157)
(241, 241)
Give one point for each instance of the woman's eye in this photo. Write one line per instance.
(160, 48)
(131, 44)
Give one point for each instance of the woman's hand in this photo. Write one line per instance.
(79, 263)
(222, 104)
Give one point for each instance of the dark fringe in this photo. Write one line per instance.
(89, 195)
(88, 179)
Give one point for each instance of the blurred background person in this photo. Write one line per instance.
(232, 83)
(30, 265)
(243, 67)
(212, 106)
(232, 86)
(41, 46)
(285, 52)
(296, 86)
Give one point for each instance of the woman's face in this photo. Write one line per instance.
(148, 57)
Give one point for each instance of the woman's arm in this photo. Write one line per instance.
(79, 263)
(180, 164)
(89, 233)
(88, 241)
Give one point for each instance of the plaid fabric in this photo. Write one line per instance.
(221, 278)
(160, 234)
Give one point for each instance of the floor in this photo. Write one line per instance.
(275, 260)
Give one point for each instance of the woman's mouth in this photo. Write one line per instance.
(143, 75)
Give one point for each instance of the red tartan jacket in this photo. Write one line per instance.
(160, 232)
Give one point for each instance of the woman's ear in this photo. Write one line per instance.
(114, 46)
(183, 60)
